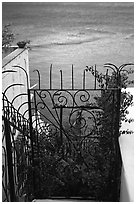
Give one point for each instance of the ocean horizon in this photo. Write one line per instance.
(62, 34)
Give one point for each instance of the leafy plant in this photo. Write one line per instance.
(114, 104)
(106, 82)
(7, 36)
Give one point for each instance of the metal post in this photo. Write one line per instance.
(36, 118)
(31, 136)
(118, 152)
(118, 159)
(10, 162)
(61, 134)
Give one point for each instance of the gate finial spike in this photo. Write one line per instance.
(39, 78)
(61, 80)
(72, 77)
(84, 79)
(51, 76)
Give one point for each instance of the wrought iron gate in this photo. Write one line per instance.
(68, 147)
(76, 139)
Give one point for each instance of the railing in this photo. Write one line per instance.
(16, 142)
(16, 154)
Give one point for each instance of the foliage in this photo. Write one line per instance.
(114, 104)
(66, 175)
(106, 82)
(7, 37)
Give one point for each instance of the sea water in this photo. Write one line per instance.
(62, 34)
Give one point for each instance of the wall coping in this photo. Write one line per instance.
(6, 60)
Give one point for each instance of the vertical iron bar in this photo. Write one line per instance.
(31, 137)
(61, 80)
(61, 134)
(95, 78)
(72, 78)
(84, 79)
(51, 76)
(118, 160)
(113, 148)
(118, 152)
(106, 78)
(9, 160)
(38, 184)
(36, 117)
(39, 79)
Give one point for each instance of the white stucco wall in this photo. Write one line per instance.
(18, 57)
(127, 151)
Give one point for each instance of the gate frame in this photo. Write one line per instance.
(117, 71)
